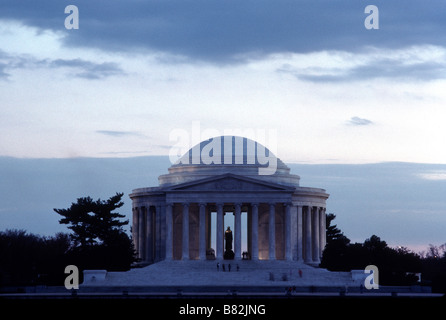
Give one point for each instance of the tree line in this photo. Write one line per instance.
(397, 266)
(97, 241)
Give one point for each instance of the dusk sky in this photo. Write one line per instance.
(333, 91)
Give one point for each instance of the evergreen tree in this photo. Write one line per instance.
(395, 265)
(92, 222)
(335, 251)
(99, 241)
(334, 234)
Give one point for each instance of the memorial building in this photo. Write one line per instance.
(273, 217)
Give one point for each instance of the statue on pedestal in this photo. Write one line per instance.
(229, 254)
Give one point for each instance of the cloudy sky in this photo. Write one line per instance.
(134, 71)
(333, 91)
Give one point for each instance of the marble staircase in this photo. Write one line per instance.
(261, 273)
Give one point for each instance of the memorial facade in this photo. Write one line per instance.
(274, 218)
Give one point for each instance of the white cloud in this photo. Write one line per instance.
(433, 175)
(17, 37)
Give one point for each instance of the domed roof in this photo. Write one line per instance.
(229, 154)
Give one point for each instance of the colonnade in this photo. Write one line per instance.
(148, 232)
(302, 226)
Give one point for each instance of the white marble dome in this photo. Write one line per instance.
(229, 154)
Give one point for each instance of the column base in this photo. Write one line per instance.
(313, 263)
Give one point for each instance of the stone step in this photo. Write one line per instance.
(204, 273)
(195, 267)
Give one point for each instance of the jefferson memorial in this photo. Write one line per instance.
(229, 178)
(227, 203)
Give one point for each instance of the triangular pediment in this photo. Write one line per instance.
(230, 183)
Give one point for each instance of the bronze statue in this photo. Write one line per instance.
(228, 239)
(229, 254)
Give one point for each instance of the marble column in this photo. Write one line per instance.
(308, 253)
(324, 214)
(169, 232)
(141, 234)
(288, 252)
(202, 231)
(293, 230)
(149, 234)
(135, 228)
(159, 232)
(185, 253)
(315, 233)
(299, 234)
(238, 232)
(254, 232)
(322, 231)
(220, 220)
(272, 231)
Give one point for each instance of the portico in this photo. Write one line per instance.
(283, 234)
(179, 219)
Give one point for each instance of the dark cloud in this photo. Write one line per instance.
(232, 30)
(409, 69)
(8, 62)
(79, 68)
(398, 69)
(3, 73)
(87, 69)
